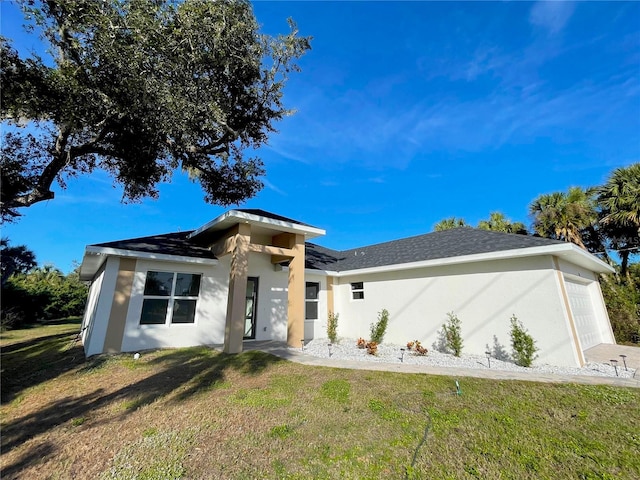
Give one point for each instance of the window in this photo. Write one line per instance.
(170, 298)
(357, 291)
(311, 301)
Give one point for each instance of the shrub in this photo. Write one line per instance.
(379, 328)
(417, 347)
(453, 334)
(372, 348)
(332, 327)
(361, 342)
(524, 347)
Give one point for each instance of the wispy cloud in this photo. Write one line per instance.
(551, 16)
(271, 186)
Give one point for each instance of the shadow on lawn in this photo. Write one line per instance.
(189, 370)
(29, 363)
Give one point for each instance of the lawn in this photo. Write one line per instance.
(196, 413)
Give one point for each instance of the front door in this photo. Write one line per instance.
(251, 305)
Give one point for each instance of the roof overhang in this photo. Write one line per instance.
(565, 251)
(94, 257)
(259, 224)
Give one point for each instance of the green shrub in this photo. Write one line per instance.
(379, 328)
(332, 327)
(453, 334)
(524, 347)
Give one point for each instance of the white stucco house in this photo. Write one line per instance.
(253, 275)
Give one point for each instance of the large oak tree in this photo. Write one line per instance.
(140, 88)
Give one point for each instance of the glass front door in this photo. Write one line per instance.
(250, 309)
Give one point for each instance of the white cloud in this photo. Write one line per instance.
(551, 15)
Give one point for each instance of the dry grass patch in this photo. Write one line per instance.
(196, 413)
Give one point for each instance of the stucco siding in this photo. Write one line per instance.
(97, 326)
(208, 327)
(484, 295)
(89, 316)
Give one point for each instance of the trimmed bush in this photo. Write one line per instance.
(524, 347)
(453, 334)
(379, 328)
(332, 327)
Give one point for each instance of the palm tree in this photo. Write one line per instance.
(619, 202)
(497, 222)
(564, 216)
(449, 223)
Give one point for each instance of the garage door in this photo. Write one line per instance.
(583, 314)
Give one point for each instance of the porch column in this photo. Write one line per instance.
(295, 297)
(236, 300)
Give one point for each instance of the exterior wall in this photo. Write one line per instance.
(91, 306)
(209, 324)
(319, 326)
(483, 295)
(96, 318)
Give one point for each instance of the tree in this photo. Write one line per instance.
(139, 89)
(449, 223)
(497, 222)
(619, 202)
(17, 259)
(564, 216)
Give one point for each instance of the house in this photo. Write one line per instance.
(250, 274)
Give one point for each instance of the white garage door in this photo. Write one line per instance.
(583, 314)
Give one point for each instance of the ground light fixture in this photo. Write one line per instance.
(488, 354)
(302, 344)
(624, 360)
(329, 347)
(615, 365)
(402, 350)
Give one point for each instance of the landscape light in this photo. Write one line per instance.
(615, 365)
(329, 347)
(302, 343)
(488, 354)
(624, 360)
(402, 354)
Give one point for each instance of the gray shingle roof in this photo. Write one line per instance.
(446, 244)
(166, 244)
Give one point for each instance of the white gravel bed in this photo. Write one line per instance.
(346, 349)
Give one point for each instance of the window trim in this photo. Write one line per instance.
(357, 291)
(171, 299)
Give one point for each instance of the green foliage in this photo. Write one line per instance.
(497, 222)
(453, 334)
(619, 205)
(140, 89)
(623, 304)
(524, 347)
(565, 216)
(18, 259)
(379, 328)
(449, 223)
(332, 327)
(42, 294)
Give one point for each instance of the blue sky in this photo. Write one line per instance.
(407, 113)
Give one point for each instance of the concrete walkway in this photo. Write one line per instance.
(281, 350)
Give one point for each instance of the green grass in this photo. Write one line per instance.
(197, 413)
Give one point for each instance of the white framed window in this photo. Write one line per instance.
(170, 297)
(312, 290)
(357, 291)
